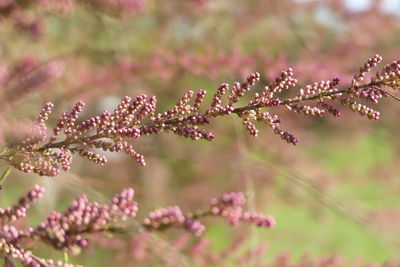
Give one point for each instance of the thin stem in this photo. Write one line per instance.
(71, 142)
(391, 95)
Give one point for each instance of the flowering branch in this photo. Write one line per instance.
(136, 117)
(228, 206)
(68, 231)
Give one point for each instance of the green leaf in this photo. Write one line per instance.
(5, 175)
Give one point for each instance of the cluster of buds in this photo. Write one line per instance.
(228, 206)
(65, 231)
(18, 211)
(10, 237)
(11, 252)
(135, 117)
(68, 231)
(62, 231)
(322, 95)
(375, 89)
(172, 217)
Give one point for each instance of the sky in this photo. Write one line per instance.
(389, 6)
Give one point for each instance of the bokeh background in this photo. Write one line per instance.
(336, 193)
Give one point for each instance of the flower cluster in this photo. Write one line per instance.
(228, 206)
(62, 231)
(18, 211)
(65, 231)
(68, 231)
(10, 252)
(135, 117)
(172, 217)
(10, 237)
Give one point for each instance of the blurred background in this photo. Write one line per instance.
(335, 195)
